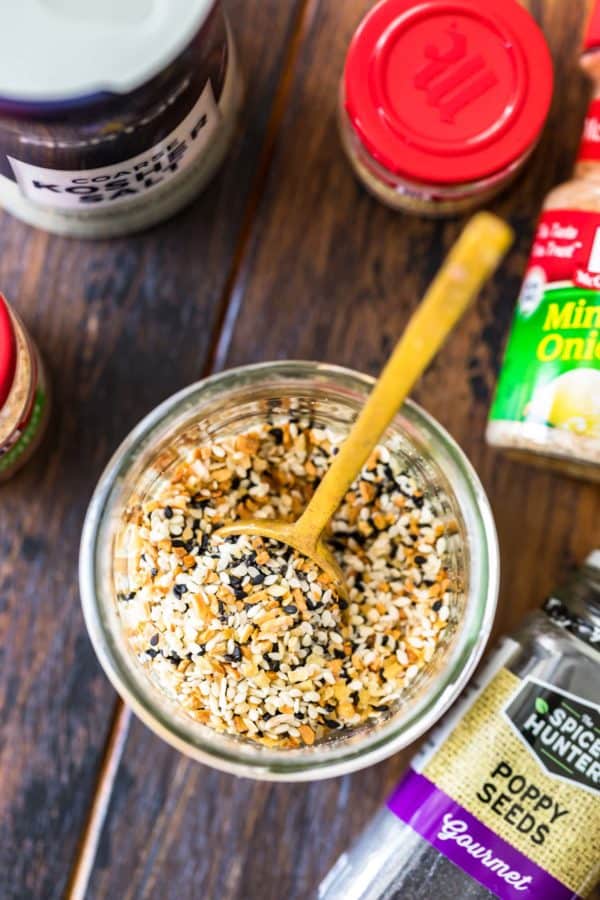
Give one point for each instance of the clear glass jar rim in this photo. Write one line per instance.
(324, 760)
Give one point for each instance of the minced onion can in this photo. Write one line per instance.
(117, 114)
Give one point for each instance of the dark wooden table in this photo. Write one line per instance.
(284, 256)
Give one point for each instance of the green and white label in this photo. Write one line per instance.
(551, 371)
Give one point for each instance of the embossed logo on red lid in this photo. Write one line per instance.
(448, 91)
(8, 351)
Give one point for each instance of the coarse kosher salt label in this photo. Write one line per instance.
(108, 186)
(485, 795)
(551, 370)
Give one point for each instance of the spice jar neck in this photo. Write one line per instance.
(589, 148)
(576, 606)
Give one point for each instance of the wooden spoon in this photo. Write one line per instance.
(472, 260)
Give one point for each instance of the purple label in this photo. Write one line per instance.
(470, 844)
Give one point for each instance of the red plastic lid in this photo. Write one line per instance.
(448, 91)
(8, 351)
(591, 40)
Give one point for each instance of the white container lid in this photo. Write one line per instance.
(62, 49)
(593, 559)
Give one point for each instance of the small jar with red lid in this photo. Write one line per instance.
(24, 400)
(443, 101)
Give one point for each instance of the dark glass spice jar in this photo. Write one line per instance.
(116, 114)
(504, 798)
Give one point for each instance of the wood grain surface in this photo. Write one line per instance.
(122, 325)
(285, 256)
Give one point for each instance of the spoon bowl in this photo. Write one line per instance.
(288, 533)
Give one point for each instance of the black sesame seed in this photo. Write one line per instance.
(343, 604)
(257, 579)
(389, 472)
(177, 542)
(199, 502)
(273, 664)
(420, 560)
(382, 708)
(174, 658)
(339, 654)
(168, 512)
(437, 605)
(311, 604)
(154, 640)
(290, 609)
(419, 502)
(277, 435)
(237, 653)
(154, 571)
(151, 652)
(331, 723)
(180, 589)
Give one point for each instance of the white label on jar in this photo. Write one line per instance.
(108, 186)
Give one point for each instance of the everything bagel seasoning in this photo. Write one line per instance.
(249, 636)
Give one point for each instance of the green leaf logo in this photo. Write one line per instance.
(541, 706)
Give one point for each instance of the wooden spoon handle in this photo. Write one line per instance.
(471, 261)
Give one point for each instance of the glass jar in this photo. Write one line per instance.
(240, 399)
(122, 114)
(24, 400)
(442, 104)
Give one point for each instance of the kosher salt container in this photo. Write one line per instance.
(503, 800)
(442, 103)
(113, 115)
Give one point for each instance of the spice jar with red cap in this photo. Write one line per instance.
(443, 101)
(24, 401)
(117, 114)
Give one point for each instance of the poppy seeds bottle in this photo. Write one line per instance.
(503, 800)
